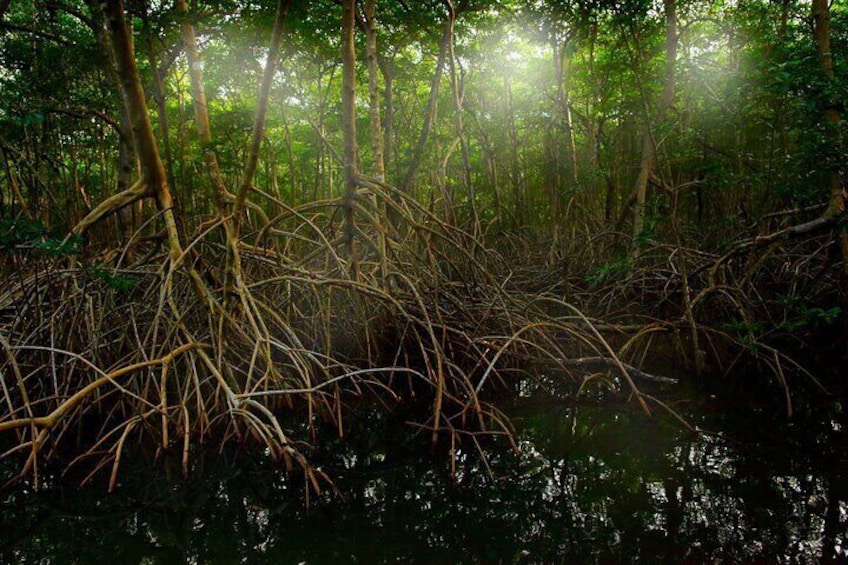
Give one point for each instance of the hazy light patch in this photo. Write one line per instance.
(518, 54)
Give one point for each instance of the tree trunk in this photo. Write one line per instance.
(259, 119)
(379, 165)
(222, 197)
(591, 151)
(159, 95)
(129, 216)
(458, 90)
(562, 62)
(350, 155)
(15, 189)
(649, 144)
(518, 181)
(831, 116)
(153, 181)
(153, 174)
(389, 114)
(430, 110)
(294, 175)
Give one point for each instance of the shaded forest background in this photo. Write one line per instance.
(219, 214)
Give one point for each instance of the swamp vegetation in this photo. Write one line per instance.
(265, 232)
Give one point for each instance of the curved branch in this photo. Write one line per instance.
(51, 419)
(112, 204)
(818, 224)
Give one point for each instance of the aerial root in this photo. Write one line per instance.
(113, 370)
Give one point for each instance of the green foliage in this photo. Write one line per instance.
(647, 235)
(117, 282)
(27, 236)
(804, 316)
(744, 327)
(617, 269)
(799, 317)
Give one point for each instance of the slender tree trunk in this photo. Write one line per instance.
(832, 118)
(565, 168)
(458, 90)
(640, 190)
(222, 197)
(323, 172)
(649, 145)
(489, 155)
(350, 155)
(591, 150)
(152, 169)
(129, 216)
(562, 61)
(379, 165)
(518, 184)
(159, 96)
(430, 110)
(389, 114)
(443, 184)
(294, 175)
(378, 143)
(259, 119)
(14, 187)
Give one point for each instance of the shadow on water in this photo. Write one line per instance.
(591, 484)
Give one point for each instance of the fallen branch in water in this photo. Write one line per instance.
(594, 364)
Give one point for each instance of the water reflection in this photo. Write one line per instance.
(589, 485)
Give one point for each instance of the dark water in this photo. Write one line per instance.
(591, 484)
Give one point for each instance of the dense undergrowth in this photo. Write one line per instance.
(109, 353)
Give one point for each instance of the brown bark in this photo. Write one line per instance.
(640, 189)
(458, 90)
(114, 203)
(389, 109)
(17, 195)
(223, 198)
(158, 89)
(350, 155)
(443, 185)
(591, 107)
(489, 154)
(562, 62)
(152, 169)
(294, 181)
(128, 217)
(832, 120)
(831, 115)
(518, 181)
(379, 166)
(429, 111)
(649, 144)
(261, 111)
(153, 181)
(322, 185)
(378, 143)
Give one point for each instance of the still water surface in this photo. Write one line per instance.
(590, 484)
